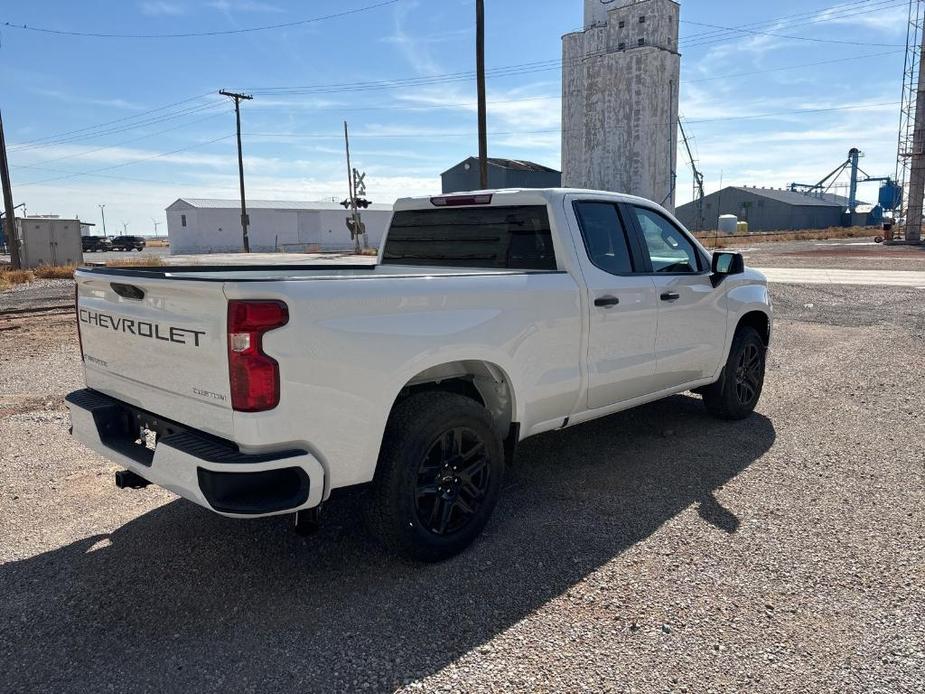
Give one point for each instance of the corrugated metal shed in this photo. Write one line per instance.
(766, 209)
(502, 173)
(794, 198)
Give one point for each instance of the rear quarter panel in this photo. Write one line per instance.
(351, 346)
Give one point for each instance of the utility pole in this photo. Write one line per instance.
(916, 191)
(103, 213)
(156, 225)
(354, 179)
(10, 215)
(237, 114)
(480, 80)
(124, 228)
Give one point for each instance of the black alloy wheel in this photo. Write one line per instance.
(748, 374)
(453, 481)
(438, 477)
(736, 393)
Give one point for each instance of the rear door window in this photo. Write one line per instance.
(605, 236)
(515, 237)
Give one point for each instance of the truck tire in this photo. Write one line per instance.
(438, 477)
(736, 393)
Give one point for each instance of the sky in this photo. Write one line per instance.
(133, 123)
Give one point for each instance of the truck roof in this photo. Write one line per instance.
(514, 196)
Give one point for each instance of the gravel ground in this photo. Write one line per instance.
(848, 254)
(37, 294)
(657, 550)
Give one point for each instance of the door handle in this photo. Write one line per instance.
(606, 301)
(670, 296)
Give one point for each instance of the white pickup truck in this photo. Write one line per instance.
(488, 318)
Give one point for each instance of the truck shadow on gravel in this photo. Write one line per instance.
(182, 598)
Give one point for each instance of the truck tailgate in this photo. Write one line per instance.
(158, 344)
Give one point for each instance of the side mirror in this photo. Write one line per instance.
(725, 264)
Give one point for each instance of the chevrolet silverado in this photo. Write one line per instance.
(488, 318)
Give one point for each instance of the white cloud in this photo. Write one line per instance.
(157, 8)
(415, 49)
(886, 19)
(91, 101)
(244, 6)
(805, 150)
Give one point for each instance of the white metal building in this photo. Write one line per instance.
(197, 225)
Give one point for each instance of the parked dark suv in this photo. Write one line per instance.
(128, 243)
(92, 244)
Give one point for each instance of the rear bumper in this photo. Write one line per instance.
(207, 470)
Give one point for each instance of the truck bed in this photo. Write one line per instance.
(272, 273)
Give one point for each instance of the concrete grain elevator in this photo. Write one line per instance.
(620, 89)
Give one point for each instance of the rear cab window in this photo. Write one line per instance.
(512, 237)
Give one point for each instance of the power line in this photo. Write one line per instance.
(418, 136)
(116, 130)
(788, 36)
(505, 71)
(818, 16)
(186, 35)
(128, 163)
(756, 116)
(472, 104)
(111, 122)
(77, 155)
(88, 173)
(733, 75)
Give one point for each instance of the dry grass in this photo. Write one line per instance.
(55, 272)
(711, 240)
(369, 251)
(140, 261)
(10, 277)
(157, 243)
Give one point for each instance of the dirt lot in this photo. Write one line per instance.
(848, 254)
(657, 550)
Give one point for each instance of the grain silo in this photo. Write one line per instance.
(620, 99)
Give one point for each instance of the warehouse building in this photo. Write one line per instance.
(767, 209)
(197, 225)
(502, 173)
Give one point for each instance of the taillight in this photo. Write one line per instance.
(254, 375)
(80, 339)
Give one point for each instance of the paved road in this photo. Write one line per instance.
(108, 256)
(883, 278)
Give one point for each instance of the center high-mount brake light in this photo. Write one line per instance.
(254, 375)
(460, 200)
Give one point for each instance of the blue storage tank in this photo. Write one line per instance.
(891, 196)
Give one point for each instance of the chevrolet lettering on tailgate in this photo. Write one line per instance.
(154, 331)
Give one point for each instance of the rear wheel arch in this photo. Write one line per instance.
(482, 381)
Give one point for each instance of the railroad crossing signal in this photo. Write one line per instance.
(359, 182)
